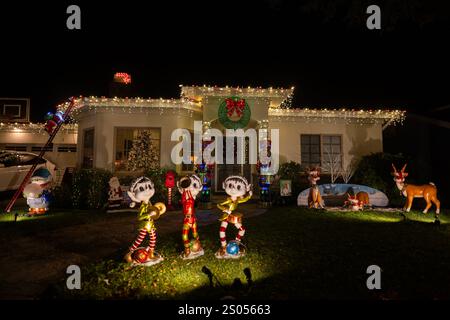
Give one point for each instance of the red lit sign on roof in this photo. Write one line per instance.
(122, 77)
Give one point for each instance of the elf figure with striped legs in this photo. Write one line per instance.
(238, 191)
(141, 190)
(189, 187)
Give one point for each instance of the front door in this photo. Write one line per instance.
(222, 171)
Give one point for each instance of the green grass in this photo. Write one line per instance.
(10, 226)
(292, 253)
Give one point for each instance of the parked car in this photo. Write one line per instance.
(14, 166)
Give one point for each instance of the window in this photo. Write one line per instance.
(310, 149)
(39, 148)
(124, 143)
(316, 150)
(30, 159)
(331, 146)
(88, 148)
(11, 110)
(9, 159)
(68, 148)
(16, 147)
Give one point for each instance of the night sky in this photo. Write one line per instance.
(322, 48)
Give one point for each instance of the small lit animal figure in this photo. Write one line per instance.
(314, 196)
(410, 191)
(358, 201)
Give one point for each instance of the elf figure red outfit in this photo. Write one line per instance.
(189, 187)
(238, 191)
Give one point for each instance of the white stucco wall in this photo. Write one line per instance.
(106, 122)
(30, 138)
(357, 140)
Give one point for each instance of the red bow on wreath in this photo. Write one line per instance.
(235, 105)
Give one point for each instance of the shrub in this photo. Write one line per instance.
(293, 171)
(90, 188)
(374, 170)
(62, 196)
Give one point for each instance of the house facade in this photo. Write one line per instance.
(107, 127)
(17, 133)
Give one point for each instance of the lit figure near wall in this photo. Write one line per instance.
(314, 197)
(189, 187)
(141, 191)
(357, 202)
(426, 191)
(170, 184)
(38, 192)
(238, 191)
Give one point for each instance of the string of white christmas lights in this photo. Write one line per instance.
(35, 127)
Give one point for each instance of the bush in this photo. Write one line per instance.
(90, 188)
(294, 171)
(374, 170)
(158, 176)
(62, 196)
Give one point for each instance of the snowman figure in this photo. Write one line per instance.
(115, 197)
(38, 192)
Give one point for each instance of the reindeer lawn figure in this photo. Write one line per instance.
(358, 201)
(314, 197)
(410, 191)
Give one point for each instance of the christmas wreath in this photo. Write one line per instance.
(231, 106)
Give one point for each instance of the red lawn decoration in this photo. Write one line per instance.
(170, 183)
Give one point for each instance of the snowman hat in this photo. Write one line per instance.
(42, 172)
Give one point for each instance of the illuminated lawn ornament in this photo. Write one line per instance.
(238, 191)
(189, 187)
(115, 196)
(358, 201)
(411, 191)
(170, 184)
(52, 121)
(141, 190)
(235, 249)
(314, 198)
(38, 192)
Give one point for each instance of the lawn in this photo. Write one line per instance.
(292, 253)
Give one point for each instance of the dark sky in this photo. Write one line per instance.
(323, 48)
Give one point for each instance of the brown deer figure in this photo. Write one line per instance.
(314, 197)
(410, 191)
(357, 201)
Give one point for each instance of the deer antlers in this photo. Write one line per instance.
(402, 172)
(315, 170)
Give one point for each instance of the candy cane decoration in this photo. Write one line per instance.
(169, 197)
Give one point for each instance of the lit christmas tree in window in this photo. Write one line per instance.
(143, 155)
